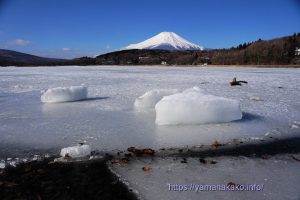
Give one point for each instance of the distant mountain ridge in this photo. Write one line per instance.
(166, 41)
(9, 57)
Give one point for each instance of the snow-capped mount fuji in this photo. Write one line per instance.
(166, 41)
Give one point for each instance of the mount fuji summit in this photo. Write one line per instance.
(166, 41)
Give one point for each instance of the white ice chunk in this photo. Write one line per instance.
(2, 164)
(64, 94)
(150, 98)
(76, 151)
(13, 163)
(194, 107)
(294, 126)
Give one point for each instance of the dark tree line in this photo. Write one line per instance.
(261, 52)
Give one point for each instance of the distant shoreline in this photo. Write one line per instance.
(183, 66)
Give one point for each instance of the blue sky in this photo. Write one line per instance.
(73, 28)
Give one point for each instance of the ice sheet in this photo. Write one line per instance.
(107, 120)
(276, 183)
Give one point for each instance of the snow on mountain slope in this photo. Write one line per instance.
(166, 41)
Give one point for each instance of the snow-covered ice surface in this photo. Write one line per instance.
(107, 120)
(64, 94)
(278, 176)
(193, 106)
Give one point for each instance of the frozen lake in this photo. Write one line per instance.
(107, 120)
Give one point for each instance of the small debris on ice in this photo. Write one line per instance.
(137, 151)
(216, 144)
(213, 162)
(121, 161)
(265, 156)
(256, 98)
(128, 155)
(234, 82)
(146, 169)
(184, 160)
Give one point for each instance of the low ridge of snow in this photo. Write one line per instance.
(166, 41)
(150, 98)
(64, 94)
(194, 107)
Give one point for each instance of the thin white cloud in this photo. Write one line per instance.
(18, 42)
(66, 54)
(107, 46)
(66, 49)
